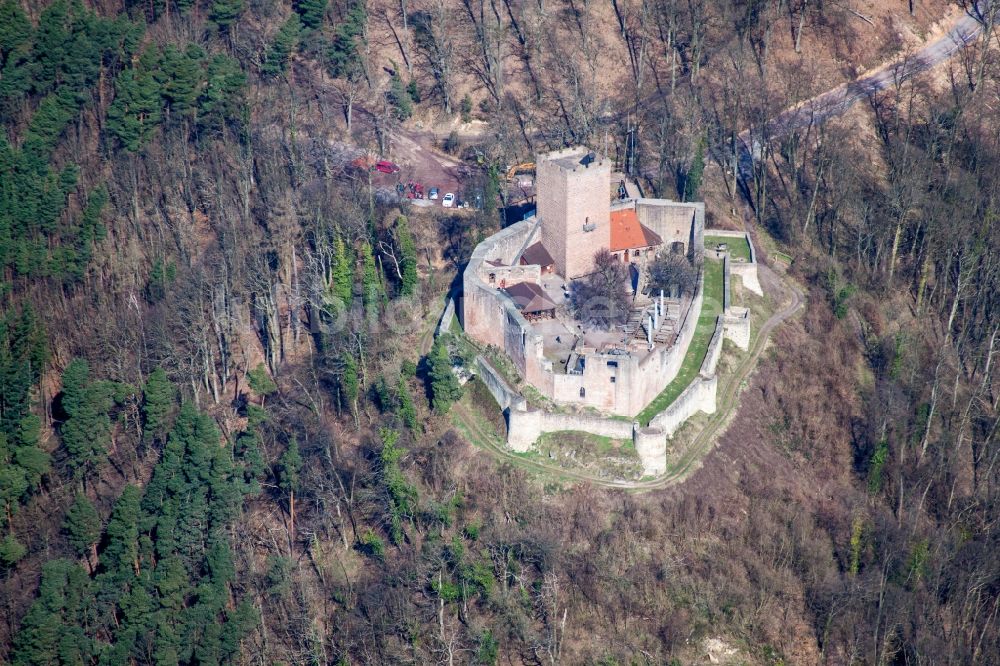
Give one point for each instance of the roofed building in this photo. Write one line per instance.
(531, 300)
(630, 238)
(536, 254)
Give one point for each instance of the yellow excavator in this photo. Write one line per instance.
(523, 167)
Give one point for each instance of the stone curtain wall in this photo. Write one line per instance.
(675, 222)
(737, 327)
(483, 306)
(525, 426)
(746, 271)
(500, 389)
(449, 313)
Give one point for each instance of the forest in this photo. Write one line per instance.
(225, 424)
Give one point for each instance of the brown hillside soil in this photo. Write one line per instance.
(777, 481)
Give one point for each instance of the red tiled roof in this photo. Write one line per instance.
(627, 233)
(529, 297)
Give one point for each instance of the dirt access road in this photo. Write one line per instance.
(836, 101)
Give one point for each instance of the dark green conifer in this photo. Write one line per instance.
(408, 256)
(159, 398)
(311, 11)
(135, 113)
(82, 524)
(445, 388)
(225, 12)
(281, 49)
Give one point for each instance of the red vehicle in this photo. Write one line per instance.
(385, 166)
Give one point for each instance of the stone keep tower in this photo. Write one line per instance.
(574, 206)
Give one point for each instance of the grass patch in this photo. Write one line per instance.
(607, 457)
(739, 248)
(695, 356)
(456, 326)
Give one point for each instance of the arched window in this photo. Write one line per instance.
(583, 392)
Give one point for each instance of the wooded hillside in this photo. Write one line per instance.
(224, 421)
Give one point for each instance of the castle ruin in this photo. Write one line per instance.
(517, 286)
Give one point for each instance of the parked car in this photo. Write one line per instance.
(433, 194)
(385, 166)
(448, 201)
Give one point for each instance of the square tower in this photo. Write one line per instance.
(574, 206)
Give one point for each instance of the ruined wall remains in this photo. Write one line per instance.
(746, 270)
(498, 387)
(737, 326)
(651, 445)
(505, 276)
(675, 222)
(525, 425)
(573, 205)
(699, 396)
(484, 308)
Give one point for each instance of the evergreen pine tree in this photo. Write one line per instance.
(342, 274)
(135, 113)
(408, 256)
(349, 381)
(399, 98)
(221, 100)
(82, 524)
(120, 557)
(692, 181)
(34, 461)
(11, 552)
(344, 58)
(371, 282)
(445, 388)
(311, 11)
(53, 630)
(281, 49)
(13, 481)
(159, 397)
(225, 12)
(407, 410)
(16, 35)
(261, 383)
(86, 432)
(179, 76)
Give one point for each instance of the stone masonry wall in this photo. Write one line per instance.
(737, 327)
(674, 221)
(746, 271)
(498, 387)
(526, 425)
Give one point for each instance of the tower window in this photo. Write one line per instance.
(583, 392)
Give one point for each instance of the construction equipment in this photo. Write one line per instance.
(523, 167)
